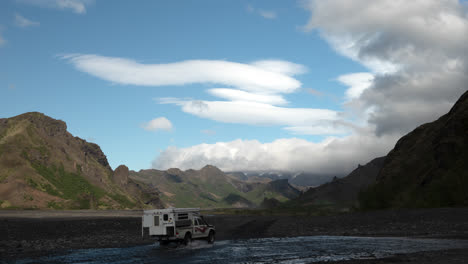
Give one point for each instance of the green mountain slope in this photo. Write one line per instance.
(211, 188)
(44, 166)
(428, 167)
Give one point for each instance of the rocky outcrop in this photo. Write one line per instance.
(121, 175)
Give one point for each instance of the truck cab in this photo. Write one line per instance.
(176, 225)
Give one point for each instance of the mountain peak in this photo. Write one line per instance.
(210, 167)
(51, 126)
(174, 171)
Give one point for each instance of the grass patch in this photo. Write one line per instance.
(54, 205)
(28, 197)
(68, 185)
(32, 183)
(122, 200)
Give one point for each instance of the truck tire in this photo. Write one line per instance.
(187, 238)
(164, 242)
(211, 237)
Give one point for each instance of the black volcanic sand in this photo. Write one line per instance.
(35, 233)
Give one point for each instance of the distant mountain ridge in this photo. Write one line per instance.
(303, 179)
(44, 166)
(211, 187)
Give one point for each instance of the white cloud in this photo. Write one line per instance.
(77, 6)
(320, 128)
(280, 66)
(253, 113)
(238, 95)
(23, 22)
(357, 82)
(246, 77)
(160, 123)
(332, 156)
(267, 14)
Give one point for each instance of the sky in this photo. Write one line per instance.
(315, 86)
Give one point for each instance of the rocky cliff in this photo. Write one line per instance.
(43, 166)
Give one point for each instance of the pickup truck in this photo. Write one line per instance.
(180, 225)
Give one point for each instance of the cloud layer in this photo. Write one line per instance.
(160, 123)
(268, 14)
(252, 113)
(246, 77)
(23, 22)
(77, 6)
(332, 156)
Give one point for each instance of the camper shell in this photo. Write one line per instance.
(176, 224)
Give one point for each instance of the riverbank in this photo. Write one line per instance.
(34, 233)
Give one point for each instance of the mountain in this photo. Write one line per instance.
(282, 187)
(210, 187)
(248, 177)
(309, 179)
(428, 167)
(301, 179)
(343, 192)
(44, 166)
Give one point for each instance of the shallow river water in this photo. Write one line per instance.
(263, 250)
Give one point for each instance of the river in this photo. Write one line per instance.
(293, 250)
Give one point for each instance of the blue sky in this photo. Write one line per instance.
(49, 50)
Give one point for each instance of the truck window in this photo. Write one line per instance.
(165, 217)
(202, 221)
(182, 216)
(156, 220)
(195, 222)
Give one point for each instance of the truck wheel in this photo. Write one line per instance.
(163, 242)
(187, 238)
(211, 237)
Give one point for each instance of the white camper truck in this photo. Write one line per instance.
(176, 224)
